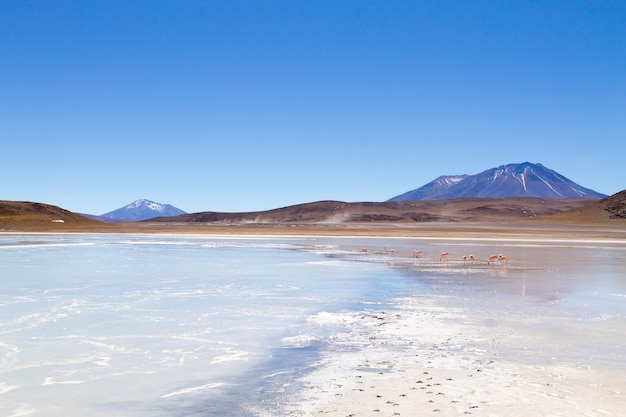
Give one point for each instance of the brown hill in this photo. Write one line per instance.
(458, 217)
(335, 212)
(609, 210)
(25, 215)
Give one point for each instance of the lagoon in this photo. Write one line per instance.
(178, 325)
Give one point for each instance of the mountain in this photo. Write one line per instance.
(142, 210)
(507, 181)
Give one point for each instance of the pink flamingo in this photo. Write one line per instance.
(417, 253)
(502, 258)
(444, 255)
(492, 258)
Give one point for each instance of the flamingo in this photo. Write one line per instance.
(502, 258)
(384, 249)
(417, 253)
(492, 258)
(364, 250)
(444, 255)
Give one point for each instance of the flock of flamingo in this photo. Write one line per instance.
(501, 259)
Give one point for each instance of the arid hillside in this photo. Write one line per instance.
(610, 210)
(25, 215)
(336, 217)
(335, 212)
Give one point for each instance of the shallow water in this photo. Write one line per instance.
(138, 325)
(153, 325)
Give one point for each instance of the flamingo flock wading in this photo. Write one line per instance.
(444, 256)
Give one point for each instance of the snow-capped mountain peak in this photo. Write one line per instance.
(143, 209)
(513, 180)
(147, 204)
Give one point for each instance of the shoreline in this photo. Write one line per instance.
(494, 231)
(427, 359)
(453, 352)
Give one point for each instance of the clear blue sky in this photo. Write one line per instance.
(253, 105)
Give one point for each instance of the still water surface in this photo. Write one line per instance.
(146, 325)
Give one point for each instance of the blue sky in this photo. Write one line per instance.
(253, 105)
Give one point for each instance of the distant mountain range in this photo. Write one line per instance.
(29, 216)
(507, 181)
(141, 210)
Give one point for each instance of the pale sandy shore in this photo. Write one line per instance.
(427, 360)
(528, 229)
(442, 355)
